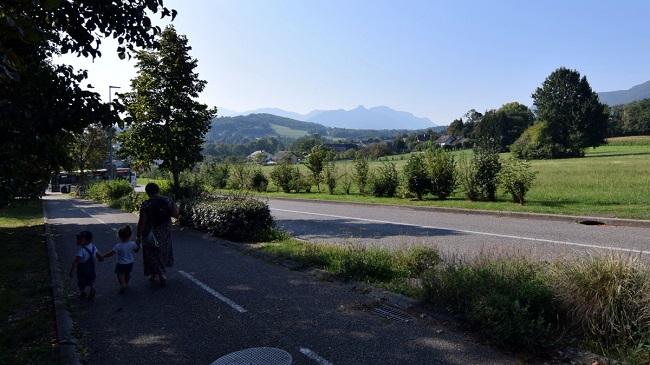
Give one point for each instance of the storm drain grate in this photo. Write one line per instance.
(391, 313)
(256, 356)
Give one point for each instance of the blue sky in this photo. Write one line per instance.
(431, 58)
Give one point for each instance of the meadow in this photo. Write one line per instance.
(611, 180)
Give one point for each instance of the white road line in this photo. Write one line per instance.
(92, 216)
(314, 356)
(214, 293)
(472, 232)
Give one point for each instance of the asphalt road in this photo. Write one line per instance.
(219, 301)
(459, 235)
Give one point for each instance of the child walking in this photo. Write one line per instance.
(84, 263)
(124, 251)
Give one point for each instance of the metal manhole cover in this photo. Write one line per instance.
(256, 356)
(391, 313)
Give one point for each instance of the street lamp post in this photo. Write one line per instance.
(110, 135)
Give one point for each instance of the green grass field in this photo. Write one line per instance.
(612, 180)
(288, 132)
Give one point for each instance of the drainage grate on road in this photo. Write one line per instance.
(390, 312)
(256, 356)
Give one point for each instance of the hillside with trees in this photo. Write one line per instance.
(241, 129)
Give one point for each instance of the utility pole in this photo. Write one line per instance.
(110, 135)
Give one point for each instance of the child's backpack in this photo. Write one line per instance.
(159, 211)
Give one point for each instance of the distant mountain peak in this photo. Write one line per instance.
(378, 117)
(638, 92)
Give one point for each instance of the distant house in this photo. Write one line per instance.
(445, 140)
(281, 156)
(260, 157)
(423, 137)
(458, 142)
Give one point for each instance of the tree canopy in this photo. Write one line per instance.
(41, 104)
(168, 124)
(504, 125)
(574, 116)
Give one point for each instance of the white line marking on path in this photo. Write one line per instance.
(214, 293)
(472, 232)
(314, 356)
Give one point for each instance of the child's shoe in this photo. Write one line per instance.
(83, 295)
(122, 289)
(91, 295)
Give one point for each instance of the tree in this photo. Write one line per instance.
(42, 104)
(88, 151)
(417, 177)
(516, 178)
(316, 162)
(575, 117)
(456, 127)
(361, 173)
(504, 125)
(518, 118)
(167, 123)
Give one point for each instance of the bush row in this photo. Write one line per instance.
(238, 217)
(433, 172)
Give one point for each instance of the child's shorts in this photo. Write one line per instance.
(123, 268)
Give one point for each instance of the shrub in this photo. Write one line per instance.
(330, 177)
(416, 175)
(284, 176)
(361, 173)
(259, 181)
(441, 168)
(606, 298)
(216, 175)
(516, 178)
(346, 183)
(466, 172)
(109, 191)
(191, 186)
(479, 176)
(235, 217)
(241, 175)
(534, 143)
(508, 299)
(386, 180)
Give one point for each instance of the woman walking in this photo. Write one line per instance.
(155, 215)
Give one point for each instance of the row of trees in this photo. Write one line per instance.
(568, 119)
(630, 119)
(433, 172)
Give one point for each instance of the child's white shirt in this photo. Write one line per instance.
(124, 252)
(84, 254)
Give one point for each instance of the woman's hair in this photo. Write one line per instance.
(125, 232)
(152, 188)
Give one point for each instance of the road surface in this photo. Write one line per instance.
(220, 302)
(464, 236)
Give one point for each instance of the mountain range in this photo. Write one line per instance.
(637, 92)
(385, 118)
(378, 118)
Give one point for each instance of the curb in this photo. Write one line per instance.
(67, 342)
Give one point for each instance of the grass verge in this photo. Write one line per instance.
(27, 319)
(597, 302)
